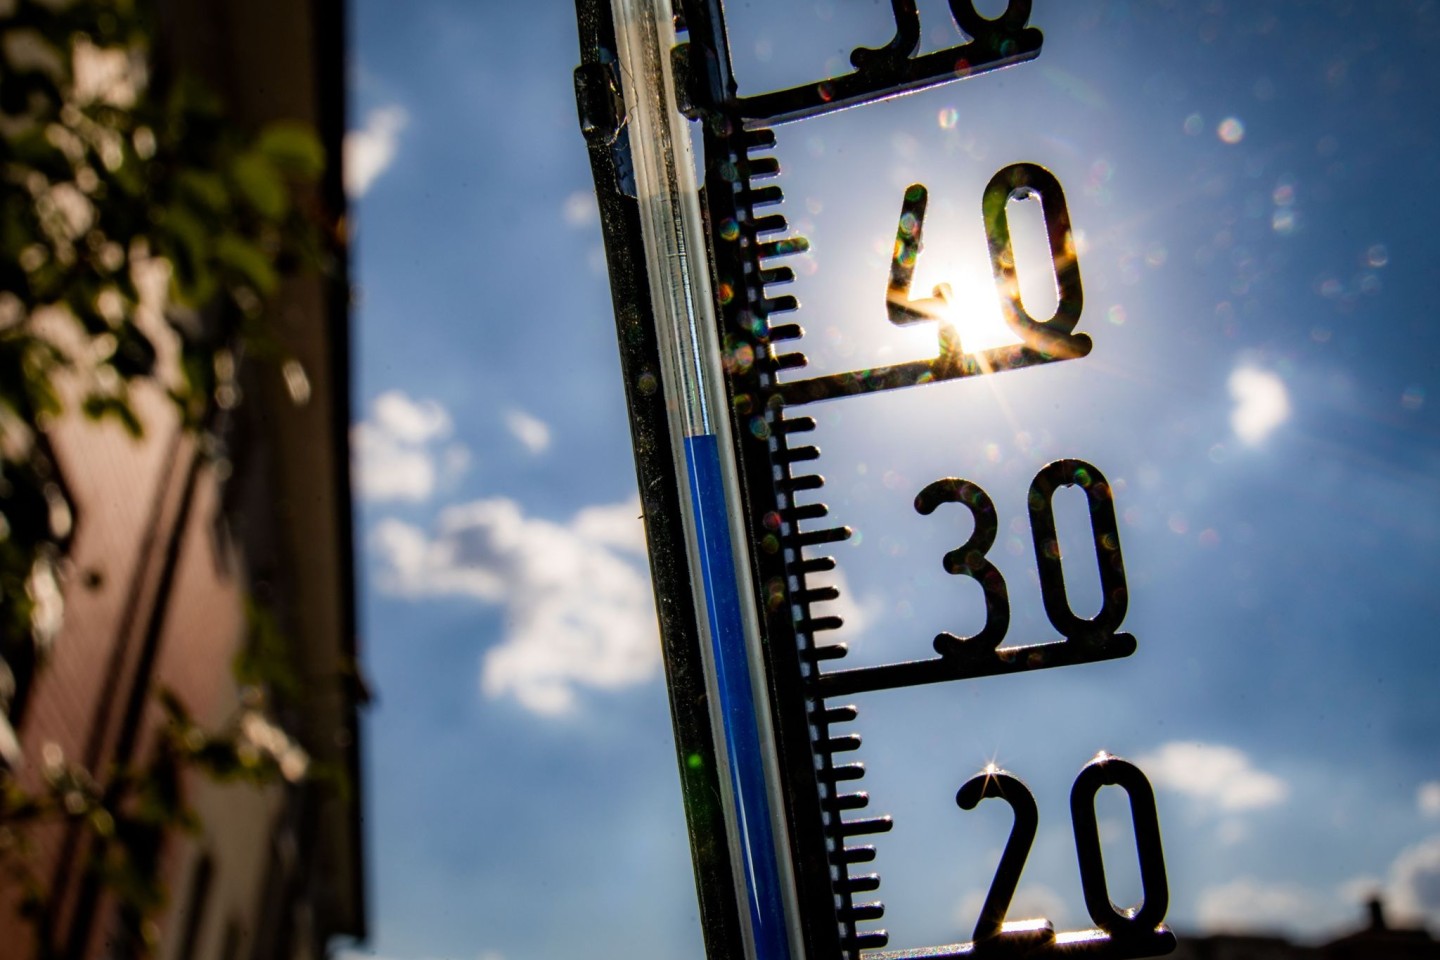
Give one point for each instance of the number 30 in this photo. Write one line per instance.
(968, 560)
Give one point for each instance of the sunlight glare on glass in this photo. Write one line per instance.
(973, 302)
(973, 295)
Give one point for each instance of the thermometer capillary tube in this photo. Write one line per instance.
(673, 235)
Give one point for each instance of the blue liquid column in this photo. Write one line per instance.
(672, 227)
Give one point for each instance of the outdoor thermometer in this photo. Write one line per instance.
(742, 548)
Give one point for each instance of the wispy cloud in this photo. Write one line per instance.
(1261, 403)
(858, 612)
(1427, 798)
(1246, 904)
(1232, 831)
(532, 432)
(1414, 888)
(579, 209)
(370, 150)
(394, 451)
(576, 598)
(1216, 774)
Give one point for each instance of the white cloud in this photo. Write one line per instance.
(1215, 774)
(579, 209)
(1246, 904)
(532, 432)
(370, 150)
(410, 421)
(384, 469)
(454, 461)
(857, 612)
(1261, 403)
(576, 596)
(1414, 889)
(1427, 798)
(1232, 831)
(392, 451)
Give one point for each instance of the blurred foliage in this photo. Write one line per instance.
(128, 815)
(106, 184)
(264, 662)
(142, 234)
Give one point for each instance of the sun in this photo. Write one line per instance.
(971, 303)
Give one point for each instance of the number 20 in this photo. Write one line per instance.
(1104, 770)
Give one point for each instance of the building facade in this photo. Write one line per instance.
(186, 555)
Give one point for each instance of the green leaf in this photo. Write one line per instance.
(266, 657)
(33, 149)
(261, 184)
(174, 709)
(245, 258)
(185, 242)
(293, 148)
(102, 406)
(205, 188)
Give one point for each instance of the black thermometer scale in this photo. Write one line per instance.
(764, 705)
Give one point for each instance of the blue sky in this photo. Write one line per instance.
(1251, 183)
